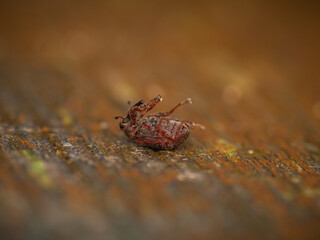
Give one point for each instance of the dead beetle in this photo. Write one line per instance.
(158, 130)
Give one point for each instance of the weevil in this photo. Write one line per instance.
(158, 130)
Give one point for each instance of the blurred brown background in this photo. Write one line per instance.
(252, 69)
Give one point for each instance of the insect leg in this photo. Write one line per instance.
(147, 126)
(191, 125)
(150, 105)
(158, 127)
(188, 100)
(195, 125)
(164, 114)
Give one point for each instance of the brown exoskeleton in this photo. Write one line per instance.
(158, 130)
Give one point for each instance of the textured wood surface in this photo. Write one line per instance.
(68, 67)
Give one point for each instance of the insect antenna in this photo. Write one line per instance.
(119, 117)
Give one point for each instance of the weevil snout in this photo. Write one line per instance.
(124, 121)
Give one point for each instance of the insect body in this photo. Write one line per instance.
(158, 130)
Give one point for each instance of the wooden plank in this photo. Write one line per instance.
(66, 169)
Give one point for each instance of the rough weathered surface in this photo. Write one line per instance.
(68, 67)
